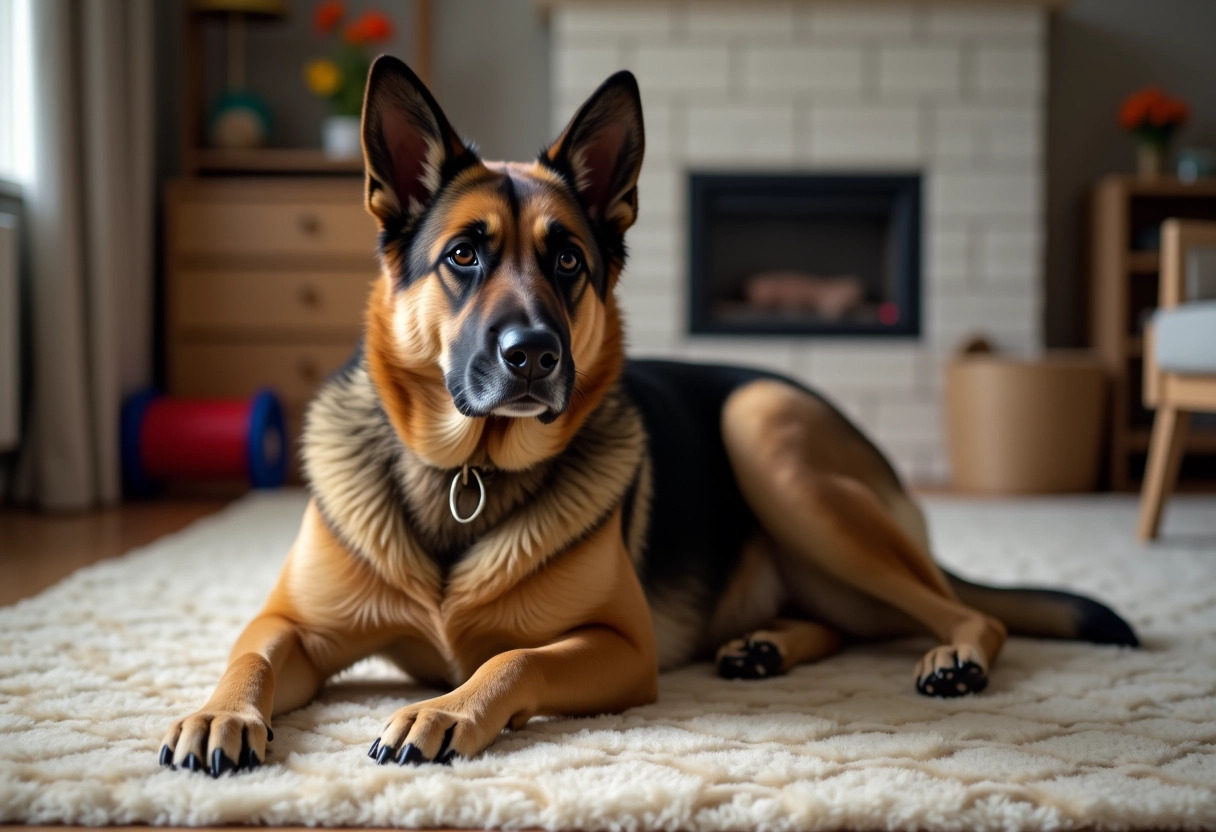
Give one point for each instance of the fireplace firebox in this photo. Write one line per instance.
(804, 254)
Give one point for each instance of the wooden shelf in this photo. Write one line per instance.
(1197, 441)
(1122, 280)
(1133, 186)
(275, 160)
(1144, 262)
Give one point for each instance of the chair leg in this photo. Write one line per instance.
(1164, 457)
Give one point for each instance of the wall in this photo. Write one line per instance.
(954, 92)
(1100, 51)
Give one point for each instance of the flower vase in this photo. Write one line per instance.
(340, 137)
(1150, 160)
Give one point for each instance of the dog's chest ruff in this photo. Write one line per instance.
(391, 509)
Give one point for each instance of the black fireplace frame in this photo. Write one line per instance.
(904, 190)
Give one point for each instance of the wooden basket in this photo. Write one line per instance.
(1025, 426)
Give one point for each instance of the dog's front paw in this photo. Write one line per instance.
(744, 658)
(216, 741)
(948, 671)
(435, 731)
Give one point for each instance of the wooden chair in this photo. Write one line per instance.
(1179, 356)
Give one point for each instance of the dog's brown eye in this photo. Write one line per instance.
(568, 261)
(463, 256)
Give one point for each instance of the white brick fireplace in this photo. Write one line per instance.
(952, 91)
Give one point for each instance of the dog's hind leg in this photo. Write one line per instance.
(814, 484)
(776, 649)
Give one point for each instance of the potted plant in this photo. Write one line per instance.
(1152, 117)
(340, 79)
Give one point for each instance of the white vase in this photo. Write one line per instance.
(340, 137)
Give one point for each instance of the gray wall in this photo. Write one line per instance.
(1100, 51)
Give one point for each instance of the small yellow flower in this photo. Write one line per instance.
(323, 77)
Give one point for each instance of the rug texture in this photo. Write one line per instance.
(1066, 736)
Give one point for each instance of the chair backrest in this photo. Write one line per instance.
(1188, 261)
(1200, 281)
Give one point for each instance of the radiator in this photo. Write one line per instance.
(9, 334)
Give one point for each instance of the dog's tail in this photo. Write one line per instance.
(1047, 613)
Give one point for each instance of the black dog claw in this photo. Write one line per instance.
(386, 754)
(166, 756)
(269, 734)
(220, 764)
(254, 760)
(375, 749)
(446, 759)
(411, 755)
(949, 682)
(192, 762)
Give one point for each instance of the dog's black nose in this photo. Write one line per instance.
(530, 352)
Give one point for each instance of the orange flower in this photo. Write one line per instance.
(1151, 107)
(370, 28)
(327, 16)
(1167, 111)
(379, 27)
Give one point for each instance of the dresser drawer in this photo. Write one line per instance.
(270, 301)
(206, 370)
(218, 228)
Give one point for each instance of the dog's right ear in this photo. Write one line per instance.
(409, 148)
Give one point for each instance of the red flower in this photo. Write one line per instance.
(1167, 111)
(327, 16)
(370, 28)
(1151, 107)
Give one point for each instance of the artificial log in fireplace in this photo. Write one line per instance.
(806, 254)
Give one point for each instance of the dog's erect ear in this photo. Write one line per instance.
(600, 151)
(409, 148)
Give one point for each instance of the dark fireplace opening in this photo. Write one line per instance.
(804, 254)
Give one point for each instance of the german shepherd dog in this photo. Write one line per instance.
(511, 511)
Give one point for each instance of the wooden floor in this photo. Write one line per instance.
(38, 549)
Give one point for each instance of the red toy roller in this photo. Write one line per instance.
(166, 438)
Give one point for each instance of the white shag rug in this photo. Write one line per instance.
(1066, 736)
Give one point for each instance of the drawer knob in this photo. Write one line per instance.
(308, 295)
(308, 369)
(310, 225)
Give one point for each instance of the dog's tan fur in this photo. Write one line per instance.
(536, 607)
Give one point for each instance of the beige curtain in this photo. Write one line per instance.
(89, 210)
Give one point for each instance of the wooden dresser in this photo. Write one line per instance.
(266, 281)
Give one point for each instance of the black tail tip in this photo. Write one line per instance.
(1102, 625)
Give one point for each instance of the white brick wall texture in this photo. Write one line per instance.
(948, 256)
(888, 134)
(581, 69)
(860, 20)
(760, 19)
(954, 90)
(681, 68)
(988, 132)
(740, 133)
(985, 195)
(801, 69)
(1009, 69)
(575, 23)
(996, 24)
(929, 70)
